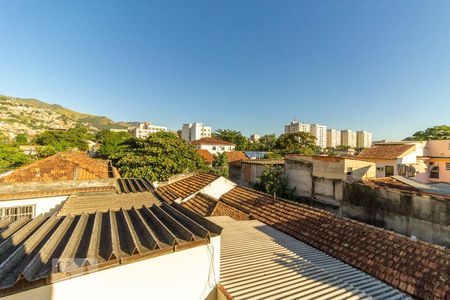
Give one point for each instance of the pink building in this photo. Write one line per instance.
(437, 158)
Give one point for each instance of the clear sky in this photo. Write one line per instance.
(383, 66)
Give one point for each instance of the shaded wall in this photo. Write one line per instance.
(427, 218)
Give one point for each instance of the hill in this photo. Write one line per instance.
(18, 115)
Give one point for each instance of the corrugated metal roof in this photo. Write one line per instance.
(49, 248)
(134, 185)
(260, 262)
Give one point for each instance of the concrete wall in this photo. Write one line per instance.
(188, 274)
(250, 172)
(424, 217)
(299, 176)
(321, 177)
(215, 149)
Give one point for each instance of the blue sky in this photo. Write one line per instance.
(383, 66)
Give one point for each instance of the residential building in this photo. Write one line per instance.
(348, 138)
(320, 133)
(193, 240)
(145, 129)
(363, 139)
(254, 138)
(251, 249)
(438, 162)
(46, 184)
(246, 172)
(333, 138)
(195, 131)
(296, 126)
(214, 146)
(321, 177)
(390, 157)
(123, 254)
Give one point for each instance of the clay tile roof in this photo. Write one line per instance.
(185, 187)
(77, 204)
(201, 204)
(62, 166)
(223, 209)
(233, 156)
(29, 248)
(52, 193)
(206, 155)
(211, 141)
(418, 268)
(386, 151)
(264, 161)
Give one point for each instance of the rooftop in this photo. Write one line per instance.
(264, 161)
(52, 248)
(260, 262)
(415, 267)
(211, 141)
(185, 187)
(62, 166)
(386, 151)
(233, 156)
(206, 155)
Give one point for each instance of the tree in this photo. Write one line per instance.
(267, 142)
(21, 139)
(111, 142)
(232, 136)
(273, 155)
(12, 157)
(296, 143)
(74, 138)
(220, 165)
(157, 157)
(441, 132)
(273, 181)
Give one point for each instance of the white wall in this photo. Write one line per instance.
(42, 205)
(188, 274)
(215, 149)
(218, 187)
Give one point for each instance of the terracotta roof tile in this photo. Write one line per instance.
(78, 204)
(223, 209)
(206, 155)
(385, 151)
(185, 187)
(418, 268)
(211, 141)
(62, 166)
(201, 204)
(233, 156)
(52, 193)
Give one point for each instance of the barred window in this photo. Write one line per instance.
(17, 212)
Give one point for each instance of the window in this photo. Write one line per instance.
(447, 166)
(388, 171)
(214, 147)
(434, 171)
(222, 148)
(17, 212)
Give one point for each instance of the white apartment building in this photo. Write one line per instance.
(145, 129)
(254, 138)
(296, 126)
(348, 138)
(363, 139)
(333, 138)
(320, 132)
(195, 131)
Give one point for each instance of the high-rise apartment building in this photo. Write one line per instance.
(145, 129)
(320, 132)
(363, 139)
(195, 131)
(296, 126)
(348, 138)
(333, 138)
